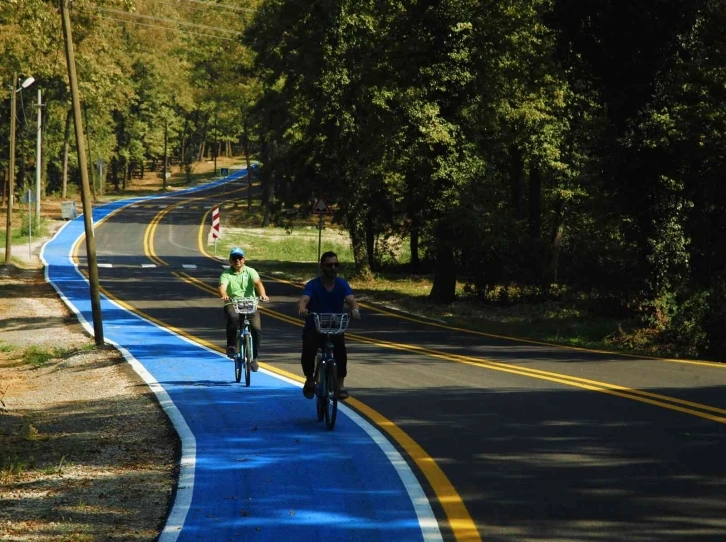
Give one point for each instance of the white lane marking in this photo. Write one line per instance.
(189, 266)
(426, 518)
(104, 265)
(148, 265)
(188, 460)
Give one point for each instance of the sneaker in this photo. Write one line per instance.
(309, 389)
(231, 352)
(254, 366)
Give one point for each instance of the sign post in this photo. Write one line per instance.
(215, 227)
(29, 197)
(321, 209)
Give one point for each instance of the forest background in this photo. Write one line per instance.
(530, 153)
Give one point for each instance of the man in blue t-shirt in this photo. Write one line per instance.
(327, 293)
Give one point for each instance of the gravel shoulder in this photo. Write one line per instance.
(86, 452)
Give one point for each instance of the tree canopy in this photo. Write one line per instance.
(557, 145)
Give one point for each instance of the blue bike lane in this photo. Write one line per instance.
(255, 464)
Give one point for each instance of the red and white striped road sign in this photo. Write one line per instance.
(215, 222)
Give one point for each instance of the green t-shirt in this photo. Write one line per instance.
(240, 284)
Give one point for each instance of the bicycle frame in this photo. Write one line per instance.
(244, 307)
(326, 369)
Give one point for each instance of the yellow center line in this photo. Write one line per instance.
(458, 517)
(664, 401)
(149, 234)
(539, 343)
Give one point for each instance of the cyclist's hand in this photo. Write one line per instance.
(356, 314)
(264, 298)
(226, 299)
(303, 311)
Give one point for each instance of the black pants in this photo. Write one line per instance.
(312, 340)
(234, 323)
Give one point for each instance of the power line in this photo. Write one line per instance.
(227, 6)
(204, 5)
(165, 20)
(166, 28)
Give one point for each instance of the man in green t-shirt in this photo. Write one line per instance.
(241, 281)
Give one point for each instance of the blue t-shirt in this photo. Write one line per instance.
(322, 300)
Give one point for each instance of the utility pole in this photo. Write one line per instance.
(214, 147)
(166, 140)
(83, 166)
(11, 173)
(38, 161)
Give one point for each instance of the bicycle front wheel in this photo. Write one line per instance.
(319, 391)
(331, 399)
(248, 357)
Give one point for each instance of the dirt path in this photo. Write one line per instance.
(86, 452)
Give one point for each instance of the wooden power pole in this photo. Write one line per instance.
(11, 175)
(83, 166)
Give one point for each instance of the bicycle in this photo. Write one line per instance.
(326, 369)
(245, 307)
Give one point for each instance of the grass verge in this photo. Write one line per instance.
(291, 252)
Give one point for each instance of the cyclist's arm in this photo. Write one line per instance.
(353, 304)
(302, 305)
(261, 290)
(223, 291)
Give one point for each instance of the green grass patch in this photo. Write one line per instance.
(39, 356)
(522, 312)
(288, 254)
(12, 466)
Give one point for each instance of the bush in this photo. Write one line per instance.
(685, 327)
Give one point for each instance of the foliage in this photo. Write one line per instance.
(533, 144)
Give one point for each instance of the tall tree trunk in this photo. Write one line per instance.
(356, 230)
(114, 173)
(183, 144)
(517, 180)
(535, 202)
(444, 287)
(268, 198)
(371, 241)
(414, 243)
(203, 144)
(558, 230)
(66, 151)
(91, 173)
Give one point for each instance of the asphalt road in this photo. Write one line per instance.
(538, 442)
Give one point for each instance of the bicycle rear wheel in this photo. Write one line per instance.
(331, 395)
(248, 357)
(238, 361)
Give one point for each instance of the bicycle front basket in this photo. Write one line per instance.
(332, 323)
(245, 305)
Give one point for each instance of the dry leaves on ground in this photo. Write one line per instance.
(86, 452)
